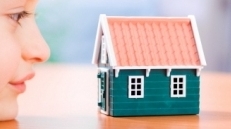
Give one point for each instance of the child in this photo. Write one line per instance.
(21, 46)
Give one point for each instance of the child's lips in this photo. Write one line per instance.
(19, 85)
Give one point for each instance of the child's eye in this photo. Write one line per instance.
(17, 16)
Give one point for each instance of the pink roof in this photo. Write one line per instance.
(153, 41)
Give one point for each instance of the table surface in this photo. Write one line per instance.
(64, 96)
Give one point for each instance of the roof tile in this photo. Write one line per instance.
(153, 41)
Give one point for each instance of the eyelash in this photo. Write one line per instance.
(18, 16)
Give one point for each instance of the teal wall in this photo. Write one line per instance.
(157, 100)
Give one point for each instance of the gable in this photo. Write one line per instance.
(103, 30)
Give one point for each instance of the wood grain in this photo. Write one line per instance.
(64, 96)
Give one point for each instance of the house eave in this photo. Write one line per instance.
(97, 44)
(148, 69)
(197, 40)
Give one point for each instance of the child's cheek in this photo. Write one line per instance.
(10, 55)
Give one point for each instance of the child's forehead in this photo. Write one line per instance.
(14, 4)
(11, 4)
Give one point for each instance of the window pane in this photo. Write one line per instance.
(175, 92)
(133, 93)
(180, 92)
(138, 86)
(138, 92)
(180, 79)
(180, 85)
(133, 86)
(175, 86)
(138, 80)
(175, 80)
(133, 80)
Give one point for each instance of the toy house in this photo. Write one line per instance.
(148, 65)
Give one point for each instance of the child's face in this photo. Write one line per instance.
(21, 46)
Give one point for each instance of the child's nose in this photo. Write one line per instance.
(35, 48)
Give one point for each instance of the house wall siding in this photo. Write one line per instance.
(157, 98)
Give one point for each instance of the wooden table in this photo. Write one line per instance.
(64, 96)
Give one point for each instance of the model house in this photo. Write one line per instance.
(148, 65)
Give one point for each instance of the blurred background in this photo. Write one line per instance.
(69, 27)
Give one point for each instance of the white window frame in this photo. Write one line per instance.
(103, 51)
(133, 87)
(177, 85)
